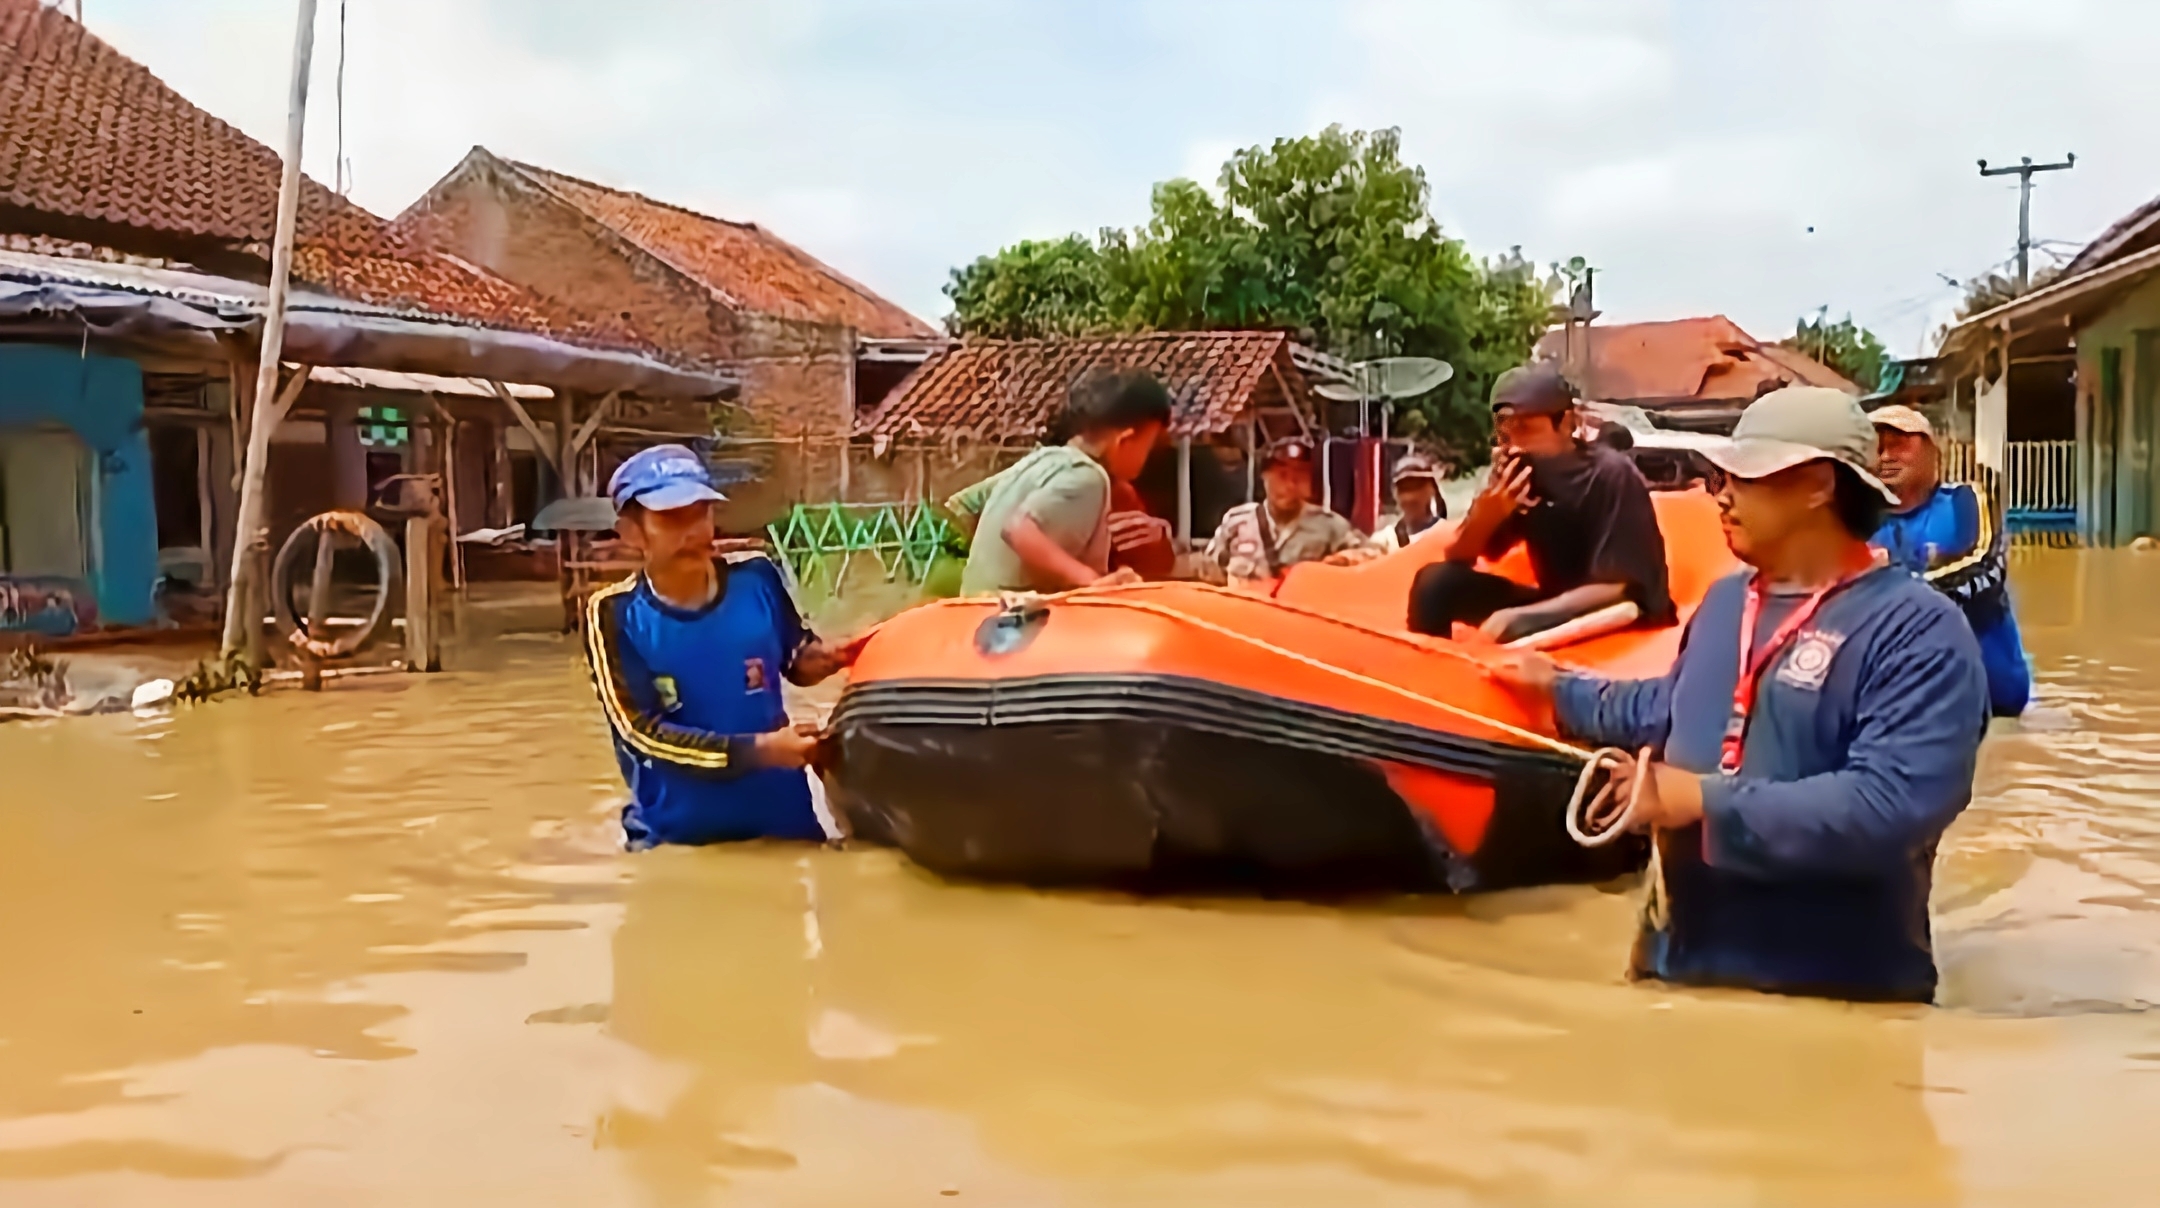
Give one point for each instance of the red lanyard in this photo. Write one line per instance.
(1751, 670)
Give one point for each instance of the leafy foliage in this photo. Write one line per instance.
(1990, 290)
(1330, 237)
(1845, 346)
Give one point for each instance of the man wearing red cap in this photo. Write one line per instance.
(1258, 541)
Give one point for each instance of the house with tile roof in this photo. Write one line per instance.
(811, 345)
(2059, 389)
(1692, 373)
(1232, 392)
(103, 164)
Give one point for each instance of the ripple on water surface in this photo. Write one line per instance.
(379, 945)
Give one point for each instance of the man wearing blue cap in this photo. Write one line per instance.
(687, 657)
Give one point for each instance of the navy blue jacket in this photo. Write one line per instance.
(1809, 873)
(687, 692)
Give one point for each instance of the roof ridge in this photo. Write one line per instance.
(547, 180)
(548, 176)
(647, 198)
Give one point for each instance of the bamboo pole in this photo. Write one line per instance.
(247, 535)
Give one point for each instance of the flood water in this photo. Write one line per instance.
(377, 946)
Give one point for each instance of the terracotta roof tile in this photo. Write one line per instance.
(1007, 390)
(88, 134)
(750, 267)
(1686, 361)
(442, 284)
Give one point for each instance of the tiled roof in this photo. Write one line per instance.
(1008, 390)
(442, 284)
(1685, 361)
(749, 266)
(88, 134)
(2133, 232)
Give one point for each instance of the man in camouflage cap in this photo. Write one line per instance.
(1258, 541)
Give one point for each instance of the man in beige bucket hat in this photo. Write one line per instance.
(1815, 736)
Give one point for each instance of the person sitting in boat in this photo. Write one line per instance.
(1582, 508)
(687, 656)
(1138, 538)
(1257, 541)
(1817, 734)
(1944, 534)
(1417, 498)
(1046, 520)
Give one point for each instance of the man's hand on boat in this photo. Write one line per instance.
(1131, 530)
(819, 660)
(1356, 555)
(792, 747)
(1526, 673)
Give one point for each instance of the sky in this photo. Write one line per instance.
(1756, 159)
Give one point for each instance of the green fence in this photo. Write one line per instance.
(818, 542)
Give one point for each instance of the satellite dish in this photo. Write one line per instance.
(1408, 377)
(1389, 378)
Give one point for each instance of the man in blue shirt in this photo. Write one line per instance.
(687, 657)
(1797, 803)
(1945, 535)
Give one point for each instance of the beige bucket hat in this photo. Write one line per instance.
(1799, 424)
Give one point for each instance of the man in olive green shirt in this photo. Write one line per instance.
(1046, 523)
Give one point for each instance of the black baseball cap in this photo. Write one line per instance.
(1538, 389)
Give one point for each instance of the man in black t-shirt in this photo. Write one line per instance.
(1583, 509)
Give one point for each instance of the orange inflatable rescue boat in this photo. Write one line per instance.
(1177, 735)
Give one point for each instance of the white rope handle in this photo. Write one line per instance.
(1603, 818)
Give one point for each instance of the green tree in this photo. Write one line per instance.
(1990, 290)
(1845, 346)
(1330, 237)
(1051, 287)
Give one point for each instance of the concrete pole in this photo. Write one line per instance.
(247, 536)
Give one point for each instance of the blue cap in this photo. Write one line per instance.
(661, 478)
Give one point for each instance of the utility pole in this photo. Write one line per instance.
(2024, 172)
(241, 615)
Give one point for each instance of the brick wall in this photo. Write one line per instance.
(797, 378)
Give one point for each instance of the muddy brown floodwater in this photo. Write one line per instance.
(376, 946)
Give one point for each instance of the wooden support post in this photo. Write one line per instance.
(565, 451)
(591, 425)
(420, 653)
(1252, 459)
(500, 504)
(1184, 492)
(318, 611)
(247, 596)
(541, 444)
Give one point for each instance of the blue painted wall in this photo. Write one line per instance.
(101, 399)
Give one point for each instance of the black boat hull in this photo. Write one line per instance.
(1173, 785)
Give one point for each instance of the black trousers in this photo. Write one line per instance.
(1447, 592)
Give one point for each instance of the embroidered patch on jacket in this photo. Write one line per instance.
(670, 696)
(753, 674)
(1807, 665)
